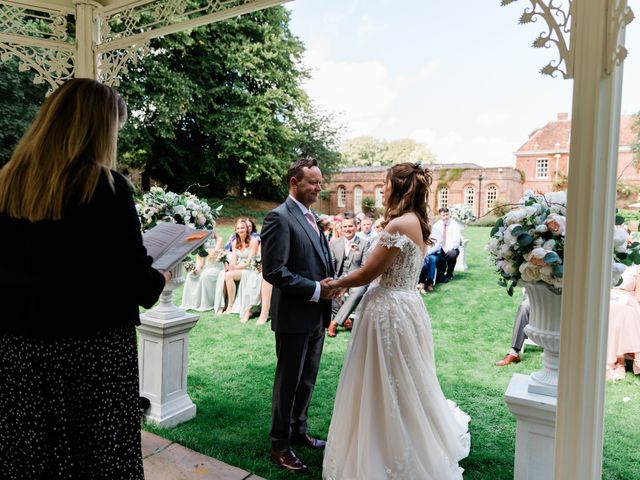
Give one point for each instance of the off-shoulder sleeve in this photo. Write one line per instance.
(389, 240)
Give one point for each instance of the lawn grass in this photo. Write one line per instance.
(231, 371)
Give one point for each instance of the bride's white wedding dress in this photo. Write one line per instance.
(390, 418)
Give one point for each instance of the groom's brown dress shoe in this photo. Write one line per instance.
(288, 460)
(306, 441)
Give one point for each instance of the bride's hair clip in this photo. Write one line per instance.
(417, 166)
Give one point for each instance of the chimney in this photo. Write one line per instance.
(563, 116)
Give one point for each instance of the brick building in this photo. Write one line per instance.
(455, 183)
(541, 165)
(544, 158)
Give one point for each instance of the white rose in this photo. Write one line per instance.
(557, 224)
(538, 242)
(536, 256)
(541, 228)
(509, 239)
(616, 272)
(515, 216)
(505, 251)
(529, 272)
(620, 237)
(546, 274)
(549, 245)
(180, 210)
(507, 267)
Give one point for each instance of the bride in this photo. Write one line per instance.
(391, 419)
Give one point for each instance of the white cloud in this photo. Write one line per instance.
(428, 70)
(490, 118)
(367, 27)
(362, 92)
(455, 147)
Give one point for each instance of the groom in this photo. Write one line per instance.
(297, 262)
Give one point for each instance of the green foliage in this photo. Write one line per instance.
(629, 215)
(369, 151)
(523, 176)
(369, 206)
(449, 176)
(231, 369)
(20, 100)
(220, 109)
(626, 190)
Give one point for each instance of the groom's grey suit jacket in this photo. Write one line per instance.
(294, 258)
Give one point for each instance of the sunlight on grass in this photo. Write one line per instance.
(231, 372)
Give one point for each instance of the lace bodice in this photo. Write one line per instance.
(404, 271)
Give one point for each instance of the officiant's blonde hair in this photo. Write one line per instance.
(57, 163)
(409, 193)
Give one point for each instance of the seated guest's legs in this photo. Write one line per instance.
(230, 279)
(267, 288)
(451, 257)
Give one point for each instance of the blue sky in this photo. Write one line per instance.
(460, 76)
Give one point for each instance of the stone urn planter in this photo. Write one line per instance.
(544, 329)
(166, 309)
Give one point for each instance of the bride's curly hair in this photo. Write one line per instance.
(410, 184)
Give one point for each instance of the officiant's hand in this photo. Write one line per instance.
(326, 291)
(167, 275)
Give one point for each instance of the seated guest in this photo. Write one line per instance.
(200, 284)
(251, 226)
(377, 225)
(624, 325)
(244, 248)
(518, 337)
(433, 262)
(346, 253)
(451, 234)
(366, 229)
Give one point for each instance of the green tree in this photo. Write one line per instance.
(367, 151)
(363, 151)
(635, 144)
(407, 150)
(20, 100)
(220, 109)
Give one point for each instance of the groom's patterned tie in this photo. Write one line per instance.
(312, 221)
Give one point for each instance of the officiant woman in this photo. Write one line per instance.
(73, 271)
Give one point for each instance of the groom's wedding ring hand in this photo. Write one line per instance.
(327, 292)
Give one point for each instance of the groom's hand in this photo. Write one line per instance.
(326, 291)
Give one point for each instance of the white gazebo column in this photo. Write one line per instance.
(595, 121)
(87, 36)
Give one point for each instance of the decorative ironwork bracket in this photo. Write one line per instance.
(560, 19)
(559, 25)
(620, 15)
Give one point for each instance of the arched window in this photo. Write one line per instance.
(443, 198)
(492, 197)
(469, 196)
(357, 200)
(342, 197)
(379, 196)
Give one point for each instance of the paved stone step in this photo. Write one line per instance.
(166, 460)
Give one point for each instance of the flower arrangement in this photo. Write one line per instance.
(462, 213)
(159, 205)
(527, 243)
(256, 263)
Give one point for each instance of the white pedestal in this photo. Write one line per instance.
(535, 430)
(163, 348)
(461, 261)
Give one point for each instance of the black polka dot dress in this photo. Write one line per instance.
(69, 407)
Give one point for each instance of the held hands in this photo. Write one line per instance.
(329, 289)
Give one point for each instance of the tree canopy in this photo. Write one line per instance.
(367, 151)
(220, 109)
(19, 103)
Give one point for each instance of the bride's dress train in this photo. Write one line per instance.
(391, 419)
